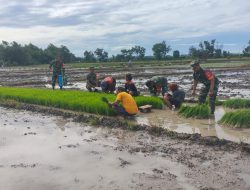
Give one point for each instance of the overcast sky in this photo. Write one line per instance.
(115, 24)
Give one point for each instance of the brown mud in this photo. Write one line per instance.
(57, 149)
(132, 125)
(234, 81)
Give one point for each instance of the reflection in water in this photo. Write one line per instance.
(206, 127)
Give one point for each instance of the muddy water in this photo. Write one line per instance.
(206, 127)
(42, 152)
(45, 152)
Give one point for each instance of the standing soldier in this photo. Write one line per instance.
(92, 81)
(56, 65)
(157, 85)
(210, 81)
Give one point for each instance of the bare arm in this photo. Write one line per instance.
(195, 82)
(115, 102)
(212, 82)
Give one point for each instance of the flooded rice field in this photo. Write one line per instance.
(39, 152)
(206, 127)
(234, 82)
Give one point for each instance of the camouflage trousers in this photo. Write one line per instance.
(203, 95)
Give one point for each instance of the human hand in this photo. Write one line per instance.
(193, 93)
(211, 92)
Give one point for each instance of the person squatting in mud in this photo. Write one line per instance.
(130, 86)
(108, 84)
(210, 82)
(175, 99)
(128, 107)
(157, 85)
(92, 80)
(57, 65)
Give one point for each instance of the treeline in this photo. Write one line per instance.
(15, 54)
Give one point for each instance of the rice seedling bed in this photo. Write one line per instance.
(237, 119)
(72, 100)
(237, 103)
(198, 111)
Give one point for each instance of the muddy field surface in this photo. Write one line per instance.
(170, 120)
(38, 151)
(235, 82)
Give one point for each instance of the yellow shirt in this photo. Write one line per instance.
(128, 102)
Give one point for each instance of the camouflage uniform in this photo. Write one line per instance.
(157, 84)
(57, 72)
(202, 76)
(91, 81)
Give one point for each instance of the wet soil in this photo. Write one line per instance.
(206, 127)
(38, 151)
(234, 81)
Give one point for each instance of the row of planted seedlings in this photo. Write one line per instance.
(235, 118)
(72, 100)
(240, 116)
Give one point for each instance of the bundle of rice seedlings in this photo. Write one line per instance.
(198, 111)
(73, 100)
(237, 119)
(237, 103)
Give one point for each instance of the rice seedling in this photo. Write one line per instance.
(73, 100)
(198, 111)
(237, 119)
(237, 103)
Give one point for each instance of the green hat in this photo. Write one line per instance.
(194, 63)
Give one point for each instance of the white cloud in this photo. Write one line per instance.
(114, 24)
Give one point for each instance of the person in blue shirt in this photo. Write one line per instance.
(176, 98)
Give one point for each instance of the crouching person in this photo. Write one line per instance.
(175, 100)
(108, 84)
(128, 105)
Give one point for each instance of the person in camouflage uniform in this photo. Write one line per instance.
(210, 82)
(157, 84)
(92, 81)
(56, 65)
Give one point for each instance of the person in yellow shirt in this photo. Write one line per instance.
(128, 105)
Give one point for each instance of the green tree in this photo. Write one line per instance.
(127, 54)
(176, 54)
(246, 51)
(89, 56)
(101, 55)
(218, 53)
(193, 52)
(138, 52)
(37, 55)
(160, 50)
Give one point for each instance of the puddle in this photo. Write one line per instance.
(77, 157)
(206, 127)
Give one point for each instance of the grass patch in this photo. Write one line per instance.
(237, 103)
(198, 111)
(72, 100)
(237, 119)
